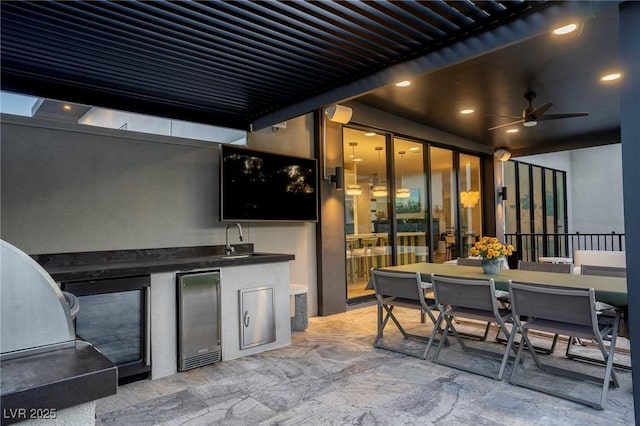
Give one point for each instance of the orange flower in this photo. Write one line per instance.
(490, 248)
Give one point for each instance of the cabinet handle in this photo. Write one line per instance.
(246, 318)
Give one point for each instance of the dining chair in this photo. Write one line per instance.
(559, 310)
(381, 253)
(606, 313)
(562, 268)
(603, 271)
(470, 261)
(368, 244)
(450, 241)
(401, 290)
(470, 298)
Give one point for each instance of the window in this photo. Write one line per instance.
(535, 217)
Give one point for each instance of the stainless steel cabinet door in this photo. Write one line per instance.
(257, 317)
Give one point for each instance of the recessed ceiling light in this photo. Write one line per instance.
(513, 130)
(611, 77)
(566, 29)
(403, 83)
(414, 148)
(370, 134)
(66, 107)
(467, 111)
(357, 160)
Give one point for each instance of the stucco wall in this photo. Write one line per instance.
(597, 189)
(594, 186)
(68, 188)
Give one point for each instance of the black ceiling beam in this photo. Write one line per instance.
(535, 22)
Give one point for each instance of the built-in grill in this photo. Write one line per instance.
(43, 365)
(35, 315)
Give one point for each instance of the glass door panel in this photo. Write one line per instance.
(367, 207)
(550, 213)
(561, 214)
(470, 202)
(444, 202)
(510, 204)
(413, 237)
(525, 204)
(537, 210)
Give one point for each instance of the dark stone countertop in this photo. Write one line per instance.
(40, 384)
(68, 267)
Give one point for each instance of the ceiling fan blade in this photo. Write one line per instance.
(506, 124)
(541, 110)
(513, 117)
(558, 116)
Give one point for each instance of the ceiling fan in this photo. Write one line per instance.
(531, 115)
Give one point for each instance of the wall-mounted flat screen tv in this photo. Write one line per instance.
(262, 186)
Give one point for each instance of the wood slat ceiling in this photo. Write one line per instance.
(224, 63)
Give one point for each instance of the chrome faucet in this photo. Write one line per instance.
(228, 249)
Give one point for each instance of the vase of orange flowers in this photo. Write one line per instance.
(492, 253)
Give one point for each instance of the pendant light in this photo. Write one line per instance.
(354, 188)
(402, 192)
(379, 190)
(469, 199)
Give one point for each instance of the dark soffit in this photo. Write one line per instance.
(563, 71)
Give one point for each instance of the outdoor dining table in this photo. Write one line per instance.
(610, 290)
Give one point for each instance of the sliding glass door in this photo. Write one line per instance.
(444, 203)
(470, 203)
(405, 202)
(411, 212)
(367, 207)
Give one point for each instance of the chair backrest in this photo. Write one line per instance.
(405, 285)
(466, 261)
(464, 292)
(562, 268)
(553, 303)
(450, 239)
(603, 271)
(369, 241)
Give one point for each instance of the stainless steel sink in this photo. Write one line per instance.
(235, 256)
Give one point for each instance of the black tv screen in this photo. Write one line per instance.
(263, 186)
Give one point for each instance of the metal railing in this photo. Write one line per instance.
(531, 247)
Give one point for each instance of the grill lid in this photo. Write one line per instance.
(34, 315)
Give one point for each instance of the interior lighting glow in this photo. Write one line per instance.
(370, 134)
(513, 131)
(67, 107)
(469, 199)
(467, 111)
(566, 29)
(379, 191)
(403, 83)
(403, 193)
(611, 77)
(354, 190)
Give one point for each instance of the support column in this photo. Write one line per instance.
(629, 52)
